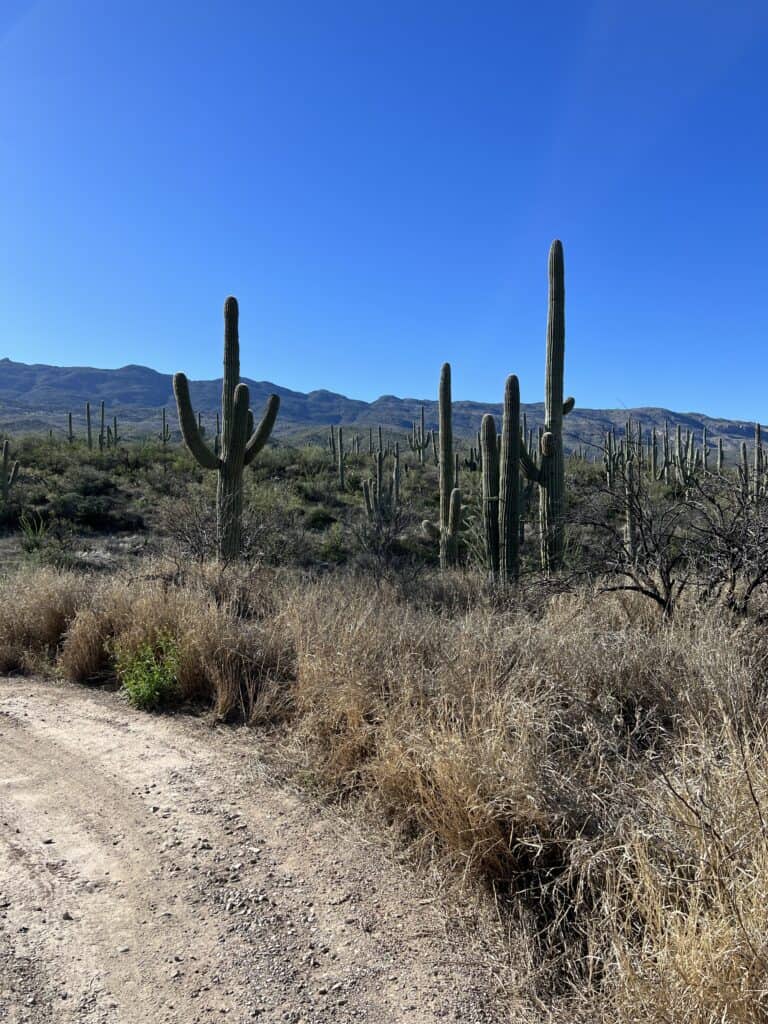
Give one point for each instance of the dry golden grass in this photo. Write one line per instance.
(602, 774)
(227, 645)
(35, 612)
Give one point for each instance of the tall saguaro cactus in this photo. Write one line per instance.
(551, 471)
(490, 450)
(447, 530)
(510, 512)
(240, 444)
(501, 487)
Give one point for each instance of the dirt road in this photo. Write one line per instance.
(150, 872)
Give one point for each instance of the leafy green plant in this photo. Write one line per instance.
(149, 673)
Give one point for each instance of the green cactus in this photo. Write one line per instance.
(102, 429)
(165, 431)
(613, 456)
(378, 464)
(630, 529)
(70, 430)
(88, 432)
(757, 482)
(550, 474)
(510, 510)
(9, 473)
(370, 499)
(420, 439)
(490, 459)
(446, 531)
(381, 496)
(341, 459)
(744, 471)
(502, 507)
(238, 449)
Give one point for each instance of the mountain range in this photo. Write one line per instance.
(38, 397)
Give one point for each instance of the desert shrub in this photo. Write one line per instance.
(148, 673)
(227, 639)
(318, 519)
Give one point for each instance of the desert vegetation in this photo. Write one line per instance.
(560, 710)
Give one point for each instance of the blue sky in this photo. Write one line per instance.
(379, 183)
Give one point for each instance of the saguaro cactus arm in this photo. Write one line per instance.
(528, 466)
(454, 525)
(241, 420)
(188, 423)
(260, 435)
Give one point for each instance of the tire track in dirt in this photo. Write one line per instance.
(149, 872)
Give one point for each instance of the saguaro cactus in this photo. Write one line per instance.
(88, 432)
(510, 512)
(501, 486)
(396, 476)
(551, 471)
(447, 529)
(165, 431)
(9, 473)
(490, 451)
(102, 429)
(240, 444)
(342, 458)
(420, 439)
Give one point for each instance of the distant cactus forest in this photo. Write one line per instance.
(511, 499)
(526, 643)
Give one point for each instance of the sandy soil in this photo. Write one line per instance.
(150, 871)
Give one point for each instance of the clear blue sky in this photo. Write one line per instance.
(378, 183)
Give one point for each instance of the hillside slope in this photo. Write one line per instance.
(39, 397)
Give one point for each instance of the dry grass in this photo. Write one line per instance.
(229, 644)
(549, 757)
(35, 612)
(600, 773)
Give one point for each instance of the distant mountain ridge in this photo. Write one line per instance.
(38, 397)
